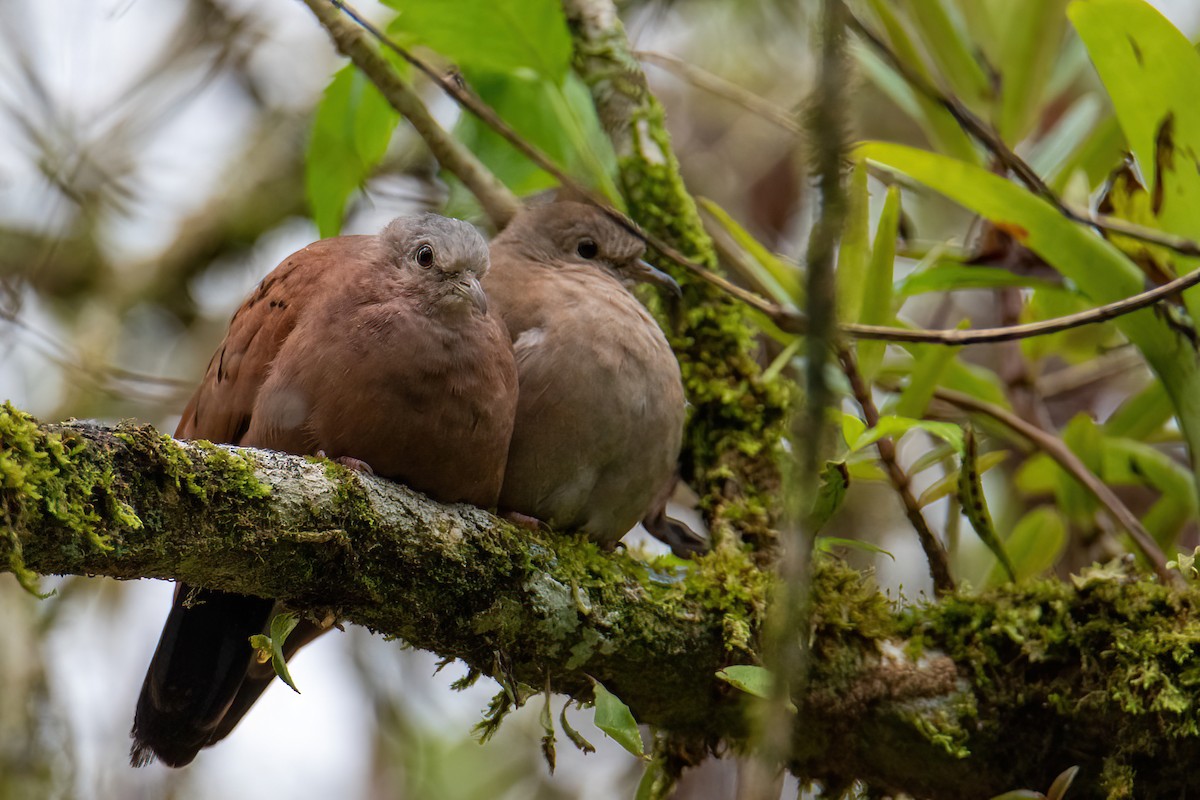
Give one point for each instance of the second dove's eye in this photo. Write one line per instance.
(587, 248)
(425, 255)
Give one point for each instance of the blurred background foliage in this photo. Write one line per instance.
(162, 157)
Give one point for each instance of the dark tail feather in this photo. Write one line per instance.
(202, 657)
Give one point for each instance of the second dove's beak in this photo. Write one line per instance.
(644, 272)
(469, 287)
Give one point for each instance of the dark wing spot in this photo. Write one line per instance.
(243, 425)
(221, 365)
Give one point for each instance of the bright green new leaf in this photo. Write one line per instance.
(898, 426)
(948, 485)
(271, 645)
(749, 678)
(491, 35)
(615, 719)
(352, 126)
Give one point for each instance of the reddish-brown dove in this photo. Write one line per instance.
(375, 350)
(601, 407)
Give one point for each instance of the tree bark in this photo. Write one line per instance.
(968, 697)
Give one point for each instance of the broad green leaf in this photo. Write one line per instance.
(877, 288)
(1083, 436)
(1150, 70)
(952, 276)
(749, 678)
(852, 428)
(977, 381)
(974, 502)
(615, 719)
(930, 363)
(895, 426)
(271, 645)
(491, 35)
(559, 119)
(835, 480)
(1031, 34)
(1100, 271)
(852, 253)
(1141, 414)
(866, 470)
(352, 126)
(1034, 545)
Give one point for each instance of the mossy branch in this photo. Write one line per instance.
(964, 698)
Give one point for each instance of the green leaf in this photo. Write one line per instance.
(1058, 789)
(835, 479)
(877, 289)
(952, 50)
(853, 251)
(559, 119)
(1095, 266)
(1141, 414)
(852, 428)
(491, 35)
(974, 502)
(895, 427)
(271, 645)
(615, 719)
(352, 126)
(948, 484)
(930, 363)
(575, 736)
(1034, 545)
(938, 123)
(656, 782)
(749, 678)
(829, 544)
(774, 275)
(1031, 34)
(1150, 70)
(951, 276)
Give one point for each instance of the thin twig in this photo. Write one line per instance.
(715, 84)
(935, 553)
(1065, 458)
(498, 202)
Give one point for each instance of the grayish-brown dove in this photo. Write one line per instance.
(601, 406)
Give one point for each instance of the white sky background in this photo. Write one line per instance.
(299, 747)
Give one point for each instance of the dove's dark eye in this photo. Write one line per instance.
(587, 248)
(425, 256)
